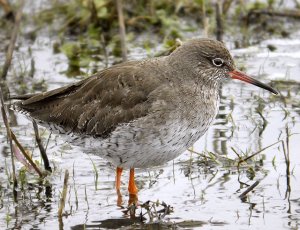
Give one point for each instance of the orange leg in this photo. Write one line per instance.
(118, 185)
(118, 178)
(132, 187)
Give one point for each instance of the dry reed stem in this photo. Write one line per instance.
(12, 42)
(243, 195)
(64, 194)
(8, 130)
(122, 29)
(41, 147)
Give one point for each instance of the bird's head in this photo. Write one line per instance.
(211, 61)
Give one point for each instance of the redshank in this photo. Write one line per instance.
(140, 114)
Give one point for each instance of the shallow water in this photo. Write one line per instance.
(203, 193)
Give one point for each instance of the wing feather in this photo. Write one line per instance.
(97, 105)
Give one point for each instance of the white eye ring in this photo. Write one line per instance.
(218, 62)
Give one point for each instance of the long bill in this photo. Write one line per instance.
(235, 74)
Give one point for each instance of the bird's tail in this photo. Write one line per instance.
(22, 97)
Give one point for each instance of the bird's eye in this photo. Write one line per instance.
(218, 62)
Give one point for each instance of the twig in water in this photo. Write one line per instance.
(64, 194)
(41, 147)
(287, 152)
(13, 39)
(287, 162)
(243, 195)
(48, 141)
(8, 130)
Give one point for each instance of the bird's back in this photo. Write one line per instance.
(97, 105)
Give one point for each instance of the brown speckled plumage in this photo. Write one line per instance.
(140, 113)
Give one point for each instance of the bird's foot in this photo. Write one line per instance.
(132, 205)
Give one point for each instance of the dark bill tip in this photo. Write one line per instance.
(235, 74)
